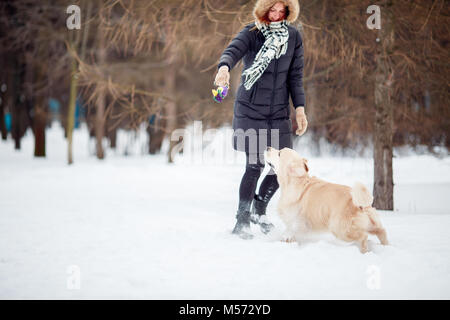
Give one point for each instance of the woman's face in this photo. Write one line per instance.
(277, 12)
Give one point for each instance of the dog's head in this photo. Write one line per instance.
(286, 162)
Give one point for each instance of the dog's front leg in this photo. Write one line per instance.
(288, 236)
(286, 216)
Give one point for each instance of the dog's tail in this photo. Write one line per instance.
(361, 197)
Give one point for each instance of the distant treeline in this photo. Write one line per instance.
(154, 62)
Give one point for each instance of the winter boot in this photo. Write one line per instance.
(242, 227)
(258, 215)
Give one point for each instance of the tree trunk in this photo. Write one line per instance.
(171, 107)
(3, 80)
(112, 135)
(39, 124)
(37, 104)
(101, 101)
(15, 99)
(384, 124)
(74, 82)
(71, 112)
(2, 118)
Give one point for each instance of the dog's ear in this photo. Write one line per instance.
(296, 168)
(305, 163)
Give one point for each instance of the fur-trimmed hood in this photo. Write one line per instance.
(262, 6)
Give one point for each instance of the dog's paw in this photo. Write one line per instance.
(363, 248)
(288, 239)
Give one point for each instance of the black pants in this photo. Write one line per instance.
(253, 169)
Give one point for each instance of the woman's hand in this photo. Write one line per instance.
(222, 77)
(302, 123)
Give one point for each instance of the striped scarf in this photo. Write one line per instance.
(277, 35)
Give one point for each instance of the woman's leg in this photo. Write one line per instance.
(268, 187)
(249, 181)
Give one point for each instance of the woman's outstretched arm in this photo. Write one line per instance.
(237, 48)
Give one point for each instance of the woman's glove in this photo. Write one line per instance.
(222, 77)
(302, 123)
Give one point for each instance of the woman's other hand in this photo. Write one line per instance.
(222, 77)
(302, 123)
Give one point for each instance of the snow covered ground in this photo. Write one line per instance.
(136, 227)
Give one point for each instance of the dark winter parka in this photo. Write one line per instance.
(266, 104)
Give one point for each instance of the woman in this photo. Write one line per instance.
(272, 52)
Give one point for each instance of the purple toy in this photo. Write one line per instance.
(220, 93)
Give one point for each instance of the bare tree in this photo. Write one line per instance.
(383, 188)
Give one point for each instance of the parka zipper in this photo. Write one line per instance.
(273, 91)
(272, 100)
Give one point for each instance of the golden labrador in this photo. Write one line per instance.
(310, 204)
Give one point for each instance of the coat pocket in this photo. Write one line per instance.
(281, 96)
(245, 95)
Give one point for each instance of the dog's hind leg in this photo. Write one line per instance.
(375, 226)
(360, 237)
(381, 235)
(363, 246)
